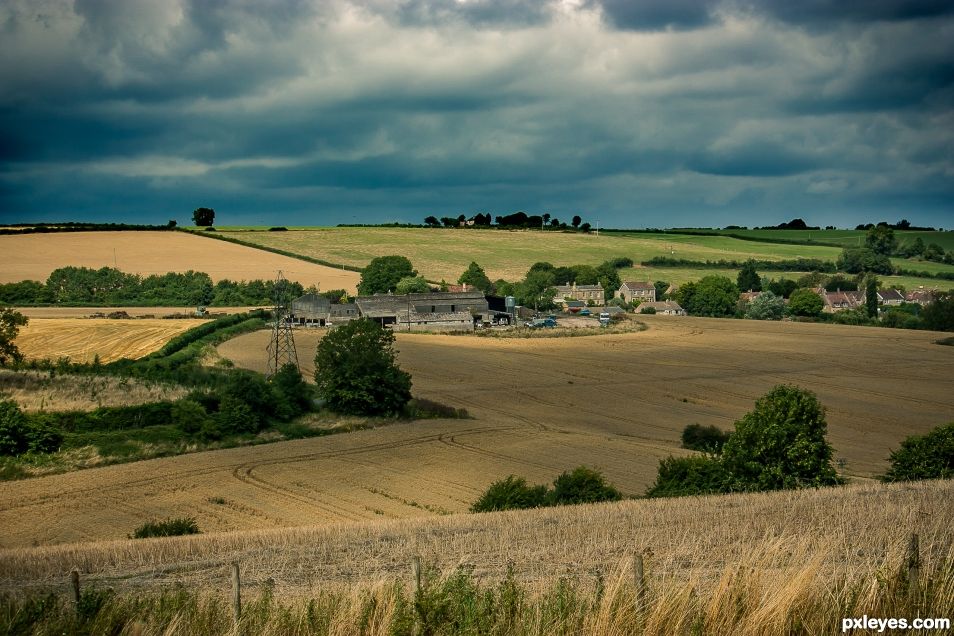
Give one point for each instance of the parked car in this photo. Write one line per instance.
(585, 312)
(541, 322)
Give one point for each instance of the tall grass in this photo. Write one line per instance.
(776, 590)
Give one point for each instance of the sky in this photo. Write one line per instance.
(655, 113)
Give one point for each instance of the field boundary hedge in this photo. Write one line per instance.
(273, 250)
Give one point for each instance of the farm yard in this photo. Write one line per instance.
(82, 339)
(34, 256)
(616, 402)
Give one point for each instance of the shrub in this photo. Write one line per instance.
(293, 395)
(766, 306)
(14, 430)
(694, 475)
(929, 456)
(511, 493)
(189, 416)
(805, 302)
(704, 438)
(582, 485)
(781, 444)
(235, 416)
(168, 528)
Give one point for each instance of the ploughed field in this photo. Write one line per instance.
(81, 339)
(34, 256)
(539, 407)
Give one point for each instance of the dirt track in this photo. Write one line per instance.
(540, 407)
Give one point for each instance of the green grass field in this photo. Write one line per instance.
(445, 253)
(845, 238)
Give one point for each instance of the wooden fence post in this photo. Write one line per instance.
(75, 584)
(914, 563)
(639, 579)
(236, 593)
(416, 573)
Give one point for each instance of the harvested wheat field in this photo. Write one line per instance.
(854, 531)
(81, 339)
(539, 407)
(34, 256)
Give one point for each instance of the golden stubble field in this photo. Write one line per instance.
(540, 407)
(81, 339)
(34, 256)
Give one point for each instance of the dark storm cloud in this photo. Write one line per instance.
(665, 113)
(655, 14)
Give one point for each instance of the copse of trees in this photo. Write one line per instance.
(710, 296)
(805, 302)
(475, 276)
(384, 273)
(109, 286)
(857, 260)
(780, 444)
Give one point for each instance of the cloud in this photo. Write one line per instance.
(645, 112)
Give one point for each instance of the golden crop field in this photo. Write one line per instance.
(81, 339)
(133, 312)
(34, 256)
(539, 407)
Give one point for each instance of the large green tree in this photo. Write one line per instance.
(766, 306)
(856, 260)
(10, 323)
(475, 276)
(710, 296)
(537, 289)
(749, 279)
(781, 444)
(383, 274)
(356, 371)
(881, 240)
(412, 285)
(929, 456)
(203, 217)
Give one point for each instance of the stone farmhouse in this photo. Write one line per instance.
(890, 297)
(432, 311)
(640, 291)
(585, 293)
(840, 300)
(920, 296)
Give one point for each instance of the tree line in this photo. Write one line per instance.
(516, 220)
(109, 286)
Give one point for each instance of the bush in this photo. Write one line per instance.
(20, 434)
(694, 475)
(293, 395)
(235, 416)
(766, 306)
(511, 493)
(582, 485)
(929, 456)
(356, 372)
(708, 439)
(805, 302)
(168, 528)
(781, 444)
(189, 416)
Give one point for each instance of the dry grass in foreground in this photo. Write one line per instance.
(847, 532)
(774, 563)
(39, 391)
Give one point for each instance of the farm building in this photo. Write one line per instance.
(433, 311)
(664, 307)
(310, 310)
(642, 291)
(579, 292)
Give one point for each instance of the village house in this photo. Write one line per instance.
(585, 293)
(839, 301)
(637, 291)
(890, 297)
(664, 307)
(920, 296)
(749, 296)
